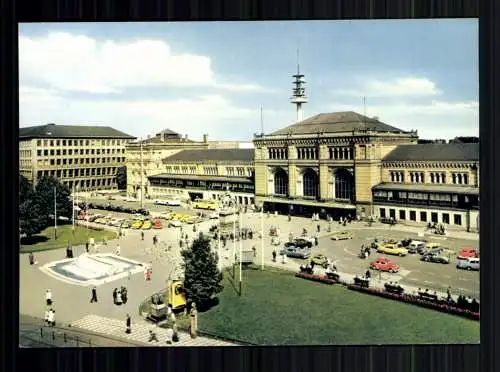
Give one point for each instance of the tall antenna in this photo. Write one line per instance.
(261, 121)
(364, 112)
(298, 97)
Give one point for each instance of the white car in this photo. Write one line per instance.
(213, 216)
(309, 239)
(173, 203)
(471, 263)
(175, 223)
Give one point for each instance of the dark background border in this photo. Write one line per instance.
(429, 358)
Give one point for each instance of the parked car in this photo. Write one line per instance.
(341, 235)
(387, 220)
(157, 224)
(143, 211)
(175, 223)
(471, 263)
(213, 215)
(405, 242)
(301, 242)
(416, 246)
(435, 257)
(392, 249)
(466, 253)
(384, 264)
(320, 260)
(296, 252)
(146, 225)
(137, 224)
(126, 225)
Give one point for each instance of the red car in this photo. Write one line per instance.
(157, 225)
(383, 264)
(466, 253)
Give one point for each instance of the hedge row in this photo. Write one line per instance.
(316, 278)
(417, 300)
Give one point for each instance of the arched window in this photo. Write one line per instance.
(454, 177)
(392, 177)
(459, 177)
(466, 179)
(310, 183)
(280, 182)
(344, 184)
(432, 178)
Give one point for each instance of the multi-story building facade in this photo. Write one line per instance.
(437, 183)
(206, 174)
(326, 164)
(144, 158)
(84, 157)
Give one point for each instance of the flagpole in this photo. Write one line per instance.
(73, 209)
(55, 213)
(218, 241)
(241, 251)
(262, 238)
(87, 207)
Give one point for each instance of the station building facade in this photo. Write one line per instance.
(326, 164)
(206, 174)
(84, 157)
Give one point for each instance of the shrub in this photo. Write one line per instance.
(416, 300)
(316, 278)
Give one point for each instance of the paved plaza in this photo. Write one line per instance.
(72, 302)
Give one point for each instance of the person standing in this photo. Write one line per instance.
(142, 235)
(31, 258)
(47, 316)
(152, 333)
(48, 297)
(52, 318)
(87, 247)
(94, 295)
(128, 324)
(115, 293)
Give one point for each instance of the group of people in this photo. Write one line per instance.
(120, 295)
(365, 251)
(69, 251)
(50, 313)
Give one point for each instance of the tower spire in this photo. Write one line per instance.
(298, 98)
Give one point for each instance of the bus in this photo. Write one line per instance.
(205, 204)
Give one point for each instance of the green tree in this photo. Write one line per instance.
(31, 221)
(44, 197)
(202, 278)
(26, 190)
(121, 178)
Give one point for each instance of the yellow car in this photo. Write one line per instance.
(147, 225)
(342, 235)
(137, 224)
(432, 245)
(392, 249)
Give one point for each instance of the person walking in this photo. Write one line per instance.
(142, 235)
(52, 318)
(128, 324)
(274, 256)
(94, 295)
(87, 247)
(318, 228)
(47, 316)
(254, 251)
(31, 258)
(48, 297)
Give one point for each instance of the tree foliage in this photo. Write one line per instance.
(44, 197)
(31, 221)
(26, 190)
(121, 178)
(202, 278)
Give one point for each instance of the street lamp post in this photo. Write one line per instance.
(262, 239)
(142, 178)
(55, 213)
(241, 249)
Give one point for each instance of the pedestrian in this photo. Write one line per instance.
(448, 294)
(67, 251)
(48, 297)
(31, 258)
(115, 294)
(170, 334)
(47, 316)
(274, 256)
(118, 250)
(312, 264)
(87, 247)
(52, 318)
(142, 235)
(152, 333)
(119, 300)
(316, 240)
(94, 295)
(124, 294)
(289, 218)
(70, 251)
(368, 274)
(318, 228)
(254, 251)
(128, 324)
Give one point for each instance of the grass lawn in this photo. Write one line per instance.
(278, 309)
(45, 240)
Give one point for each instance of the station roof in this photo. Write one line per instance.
(337, 122)
(71, 131)
(195, 156)
(191, 177)
(435, 152)
(455, 189)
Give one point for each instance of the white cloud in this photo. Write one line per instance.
(212, 114)
(403, 87)
(82, 64)
(436, 119)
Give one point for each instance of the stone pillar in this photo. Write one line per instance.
(324, 183)
(292, 171)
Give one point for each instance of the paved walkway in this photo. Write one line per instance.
(140, 332)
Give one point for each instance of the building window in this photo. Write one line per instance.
(382, 212)
(310, 183)
(423, 216)
(413, 216)
(58, 143)
(280, 182)
(446, 218)
(466, 179)
(457, 219)
(402, 214)
(344, 184)
(392, 213)
(434, 217)
(39, 152)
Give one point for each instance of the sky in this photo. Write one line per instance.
(214, 77)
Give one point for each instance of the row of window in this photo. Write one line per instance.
(412, 216)
(278, 153)
(113, 142)
(210, 171)
(53, 162)
(311, 153)
(81, 172)
(449, 200)
(94, 183)
(79, 152)
(434, 177)
(25, 153)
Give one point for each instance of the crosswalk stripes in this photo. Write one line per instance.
(140, 332)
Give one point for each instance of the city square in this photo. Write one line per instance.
(356, 222)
